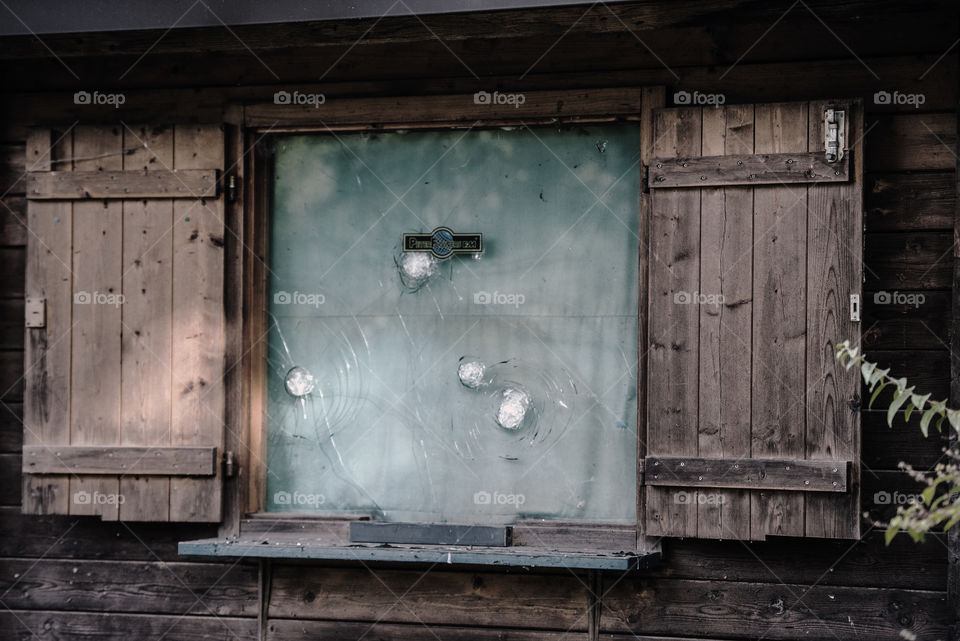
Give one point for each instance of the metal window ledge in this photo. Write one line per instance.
(284, 548)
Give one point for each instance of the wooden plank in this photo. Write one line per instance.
(779, 319)
(726, 232)
(154, 460)
(834, 273)
(908, 261)
(772, 474)
(430, 533)
(47, 350)
(910, 202)
(928, 370)
(11, 428)
(198, 324)
(465, 108)
(911, 142)
(905, 322)
(70, 538)
(884, 447)
(100, 185)
(866, 563)
(652, 98)
(674, 268)
(953, 537)
(12, 263)
(108, 626)
(97, 324)
(146, 345)
(746, 169)
(772, 610)
(449, 598)
(204, 589)
(13, 221)
(11, 377)
(545, 534)
(9, 479)
(12, 169)
(11, 324)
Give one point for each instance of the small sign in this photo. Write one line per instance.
(442, 242)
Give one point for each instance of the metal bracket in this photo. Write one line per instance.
(834, 134)
(229, 465)
(855, 307)
(35, 312)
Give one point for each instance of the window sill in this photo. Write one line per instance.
(286, 547)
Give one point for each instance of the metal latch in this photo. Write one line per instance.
(231, 188)
(229, 464)
(834, 133)
(35, 312)
(855, 307)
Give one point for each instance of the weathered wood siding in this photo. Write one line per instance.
(58, 575)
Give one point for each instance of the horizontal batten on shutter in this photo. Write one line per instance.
(175, 183)
(166, 461)
(755, 474)
(746, 169)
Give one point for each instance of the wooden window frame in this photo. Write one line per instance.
(249, 216)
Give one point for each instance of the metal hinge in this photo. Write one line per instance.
(35, 312)
(834, 133)
(230, 466)
(231, 188)
(855, 307)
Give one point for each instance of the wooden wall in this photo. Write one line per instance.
(77, 578)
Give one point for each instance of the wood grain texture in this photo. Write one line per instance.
(911, 142)
(908, 261)
(97, 325)
(198, 325)
(796, 475)
(449, 598)
(909, 202)
(672, 405)
(772, 610)
(79, 626)
(47, 355)
(154, 460)
(146, 349)
(834, 273)
(726, 265)
(745, 169)
(110, 185)
(13, 221)
(779, 319)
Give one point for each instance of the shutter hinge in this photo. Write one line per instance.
(645, 179)
(855, 307)
(231, 181)
(35, 312)
(834, 133)
(230, 466)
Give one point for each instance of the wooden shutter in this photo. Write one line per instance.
(752, 426)
(124, 407)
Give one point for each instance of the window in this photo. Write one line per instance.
(486, 387)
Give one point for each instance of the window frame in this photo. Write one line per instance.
(245, 514)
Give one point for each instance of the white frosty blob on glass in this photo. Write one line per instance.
(514, 405)
(416, 268)
(299, 381)
(471, 373)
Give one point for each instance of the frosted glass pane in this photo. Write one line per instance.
(367, 412)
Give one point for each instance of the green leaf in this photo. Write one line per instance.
(867, 369)
(908, 410)
(919, 401)
(876, 393)
(928, 494)
(899, 396)
(878, 376)
(890, 533)
(954, 417)
(925, 420)
(940, 422)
